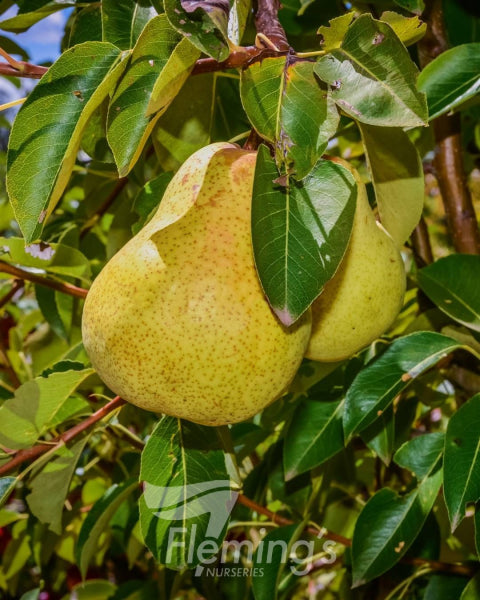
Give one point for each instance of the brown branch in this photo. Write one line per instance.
(268, 24)
(422, 248)
(66, 288)
(26, 70)
(448, 162)
(436, 565)
(17, 285)
(30, 454)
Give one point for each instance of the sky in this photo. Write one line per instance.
(42, 41)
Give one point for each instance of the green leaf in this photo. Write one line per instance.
(380, 435)
(203, 22)
(452, 284)
(12, 47)
(269, 562)
(388, 523)
(238, 19)
(462, 460)
(95, 589)
(47, 303)
(376, 386)
(128, 126)
(373, 78)
(174, 74)
(419, 454)
(409, 30)
(97, 522)
(86, 26)
(123, 21)
(445, 587)
(414, 6)
(472, 589)
(7, 485)
(52, 258)
(187, 498)
(397, 176)
(50, 484)
(333, 34)
(24, 20)
(148, 199)
(46, 134)
(288, 108)
(39, 405)
(313, 435)
(451, 79)
(300, 232)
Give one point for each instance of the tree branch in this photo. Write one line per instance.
(30, 454)
(456, 196)
(26, 70)
(436, 565)
(66, 288)
(268, 24)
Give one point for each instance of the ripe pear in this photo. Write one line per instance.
(177, 322)
(365, 295)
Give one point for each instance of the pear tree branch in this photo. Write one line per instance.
(448, 162)
(60, 286)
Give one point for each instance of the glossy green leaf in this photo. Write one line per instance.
(24, 20)
(50, 483)
(373, 78)
(39, 405)
(46, 133)
(472, 589)
(97, 521)
(47, 302)
(123, 21)
(300, 231)
(397, 176)
(203, 22)
(174, 74)
(313, 435)
(452, 283)
(445, 587)
(451, 79)
(270, 560)
(462, 21)
(376, 386)
(388, 523)
(409, 30)
(380, 435)
(148, 199)
(86, 26)
(187, 495)
(462, 460)
(287, 107)
(52, 258)
(128, 125)
(414, 6)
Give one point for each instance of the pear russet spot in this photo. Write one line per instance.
(177, 322)
(364, 297)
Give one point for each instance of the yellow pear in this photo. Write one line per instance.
(177, 322)
(366, 293)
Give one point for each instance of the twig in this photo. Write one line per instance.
(422, 248)
(30, 454)
(104, 207)
(436, 565)
(456, 196)
(25, 70)
(17, 285)
(60, 286)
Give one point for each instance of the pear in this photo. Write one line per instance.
(177, 322)
(365, 295)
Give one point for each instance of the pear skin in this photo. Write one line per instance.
(177, 322)
(365, 295)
